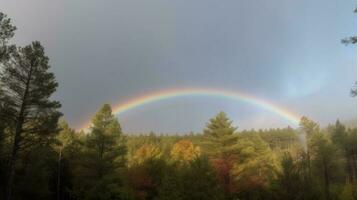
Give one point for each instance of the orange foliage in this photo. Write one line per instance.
(146, 152)
(223, 168)
(184, 150)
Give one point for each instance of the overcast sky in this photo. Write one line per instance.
(285, 51)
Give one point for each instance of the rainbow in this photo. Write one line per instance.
(182, 92)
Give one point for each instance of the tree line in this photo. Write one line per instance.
(42, 157)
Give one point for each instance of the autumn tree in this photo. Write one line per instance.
(27, 86)
(184, 150)
(146, 152)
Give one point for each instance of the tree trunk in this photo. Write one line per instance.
(12, 161)
(308, 163)
(349, 169)
(327, 181)
(17, 138)
(59, 175)
(354, 164)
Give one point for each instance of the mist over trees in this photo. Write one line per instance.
(42, 157)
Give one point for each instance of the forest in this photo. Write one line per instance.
(42, 157)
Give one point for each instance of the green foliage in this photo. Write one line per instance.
(349, 192)
(7, 31)
(256, 164)
(292, 181)
(220, 137)
(103, 155)
(35, 174)
(27, 110)
(326, 161)
(309, 127)
(28, 85)
(197, 180)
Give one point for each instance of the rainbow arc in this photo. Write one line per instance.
(163, 95)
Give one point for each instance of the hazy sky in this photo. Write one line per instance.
(285, 51)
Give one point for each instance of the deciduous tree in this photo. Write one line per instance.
(184, 150)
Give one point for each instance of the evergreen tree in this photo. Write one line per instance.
(352, 150)
(326, 161)
(68, 152)
(221, 145)
(7, 31)
(36, 170)
(196, 180)
(309, 128)
(220, 137)
(27, 89)
(104, 157)
(200, 181)
(106, 142)
(256, 164)
(340, 139)
(290, 182)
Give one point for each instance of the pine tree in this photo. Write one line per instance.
(200, 181)
(340, 138)
(68, 150)
(289, 182)
(256, 163)
(28, 87)
(309, 128)
(325, 160)
(196, 180)
(221, 145)
(7, 31)
(104, 155)
(106, 139)
(220, 137)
